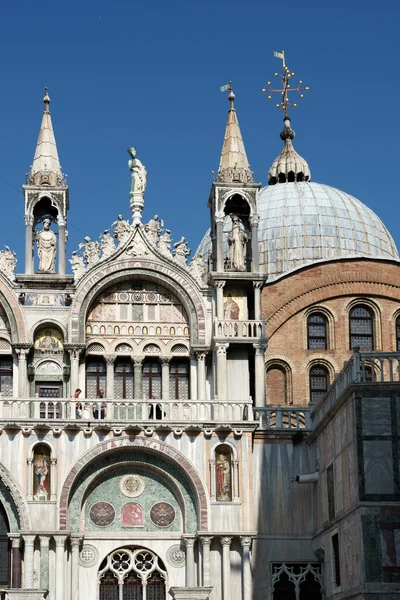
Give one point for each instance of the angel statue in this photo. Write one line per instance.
(139, 173)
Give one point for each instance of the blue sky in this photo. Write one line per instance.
(148, 74)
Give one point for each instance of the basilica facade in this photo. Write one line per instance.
(224, 427)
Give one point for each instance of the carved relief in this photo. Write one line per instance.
(102, 514)
(132, 515)
(132, 486)
(176, 556)
(162, 514)
(8, 262)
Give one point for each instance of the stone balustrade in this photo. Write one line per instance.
(239, 330)
(363, 369)
(283, 417)
(119, 410)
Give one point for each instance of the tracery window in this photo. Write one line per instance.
(152, 379)
(362, 328)
(317, 331)
(319, 379)
(6, 376)
(132, 571)
(95, 377)
(123, 378)
(179, 380)
(298, 581)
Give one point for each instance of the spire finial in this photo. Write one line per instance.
(231, 95)
(285, 90)
(46, 100)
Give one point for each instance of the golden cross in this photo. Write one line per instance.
(286, 87)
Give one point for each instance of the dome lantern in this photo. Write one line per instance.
(289, 166)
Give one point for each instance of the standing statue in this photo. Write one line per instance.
(77, 264)
(8, 261)
(164, 244)
(154, 228)
(181, 251)
(91, 251)
(46, 241)
(107, 244)
(121, 229)
(139, 173)
(237, 246)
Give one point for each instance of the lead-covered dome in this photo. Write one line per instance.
(303, 222)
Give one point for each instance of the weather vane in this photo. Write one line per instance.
(286, 87)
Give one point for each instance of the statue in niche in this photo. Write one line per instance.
(46, 241)
(181, 251)
(41, 467)
(107, 244)
(237, 240)
(223, 475)
(164, 244)
(139, 173)
(154, 228)
(121, 229)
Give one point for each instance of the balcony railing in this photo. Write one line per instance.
(363, 368)
(39, 409)
(237, 330)
(283, 418)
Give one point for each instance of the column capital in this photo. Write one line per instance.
(110, 358)
(53, 461)
(44, 541)
(75, 541)
(189, 541)
(226, 540)
(206, 540)
(254, 220)
(219, 218)
(60, 540)
(22, 351)
(258, 285)
(73, 351)
(260, 348)
(29, 540)
(221, 347)
(165, 360)
(15, 540)
(28, 220)
(137, 360)
(245, 541)
(201, 356)
(220, 284)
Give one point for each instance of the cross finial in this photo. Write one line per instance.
(286, 88)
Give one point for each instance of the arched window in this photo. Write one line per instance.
(95, 377)
(317, 331)
(319, 381)
(4, 548)
(123, 378)
(179, 379)
(361, 328)
(152, 379)
(6, 376)
(278, 384)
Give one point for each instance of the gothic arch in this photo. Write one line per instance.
(16, 507)
(112, 273)
(13, 312)
(148, 445)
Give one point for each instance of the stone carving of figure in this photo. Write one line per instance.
(164, 244)
(153, 229)
(107, 244)
(237, 246)
(223, 469)
(181, 251)
(139, 173)
(8, 261)
(41, 465)
(197, 268)
(121, 229)
(77, 264)
(91, 251)
(46, 241)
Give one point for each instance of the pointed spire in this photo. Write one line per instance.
(46, 168)
(233, 166)
(288, 166)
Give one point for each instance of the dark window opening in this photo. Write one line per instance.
(336, 560)
(331, 492)
(361, 328)
(318, 382)
(317, 331)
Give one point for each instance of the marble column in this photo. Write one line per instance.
(61, 247)
(164, 360)
(219, 225)
(44, 561)
(260, 374)
(29, 541)
(235, 482)
(29, 479)
(257, 285)
(75, 544)
(74, 378)
(22, 354)
(53, 479)
(206, 543)
(201, 375)
(28, 245)
(226, 567)
(219, 288)
(221, 371)
(190, 566)
(193, 378)
(60, 587)
(110, 360)
(246, 567)
(16, 572)
(212, 478)
(137, 368)
(255, 253)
